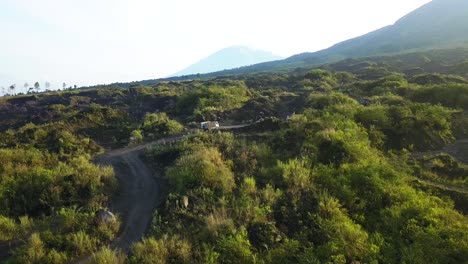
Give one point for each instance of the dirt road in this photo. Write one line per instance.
(458, 150)
(139, 191)
(137, 198)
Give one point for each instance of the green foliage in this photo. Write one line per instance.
(107, 256)
(235, 249)
(296, 221)
(157, 125)
(164, 250)
(326, 175)
(202, 168)
(345, 238)
(323, 101)
(422, 126)
(296, 176)
(51, 138)
(137, 136)
(206, 102)
(82, 243)
(434, 79)
(450, 95)
(320, 80)
(33, 252)
(419, 226)
(8, 229)
(443, 168)
(32, 182)
(49, 187)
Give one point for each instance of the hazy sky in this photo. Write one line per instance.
(88, 42)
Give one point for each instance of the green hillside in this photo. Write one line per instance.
(352, 163)
(354, 154)
(438, 25)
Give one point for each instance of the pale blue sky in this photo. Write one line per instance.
(87, 42)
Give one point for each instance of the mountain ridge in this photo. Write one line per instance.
(414, 31)
(228, 58)
(437, 25)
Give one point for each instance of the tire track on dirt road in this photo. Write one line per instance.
(137, 200)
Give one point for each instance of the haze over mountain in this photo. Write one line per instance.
(437, 25)
(229, 58)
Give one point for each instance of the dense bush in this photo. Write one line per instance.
(157, 125)
(206, 102)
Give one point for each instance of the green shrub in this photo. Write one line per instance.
(157, 125)
(205, 168)
(161, 251)
(82, 243)
(8, 229)
(107, 256)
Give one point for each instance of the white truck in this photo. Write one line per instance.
(209, 125)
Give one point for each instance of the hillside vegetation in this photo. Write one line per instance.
(339, 165)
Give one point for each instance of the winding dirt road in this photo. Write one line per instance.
(139, 191)
(137, 198)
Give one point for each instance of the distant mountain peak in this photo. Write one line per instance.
(439, 24)
(229, 58)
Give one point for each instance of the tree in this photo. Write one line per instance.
(136, 137)
(26, 85)
(37, 86)
(202, 168)
(12, 89)
(156, 125)
(235, 249)
(47, 85)
(64, 85)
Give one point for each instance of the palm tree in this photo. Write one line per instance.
(37, 86)
(13, 88)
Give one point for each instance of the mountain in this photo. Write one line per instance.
(440, 24)
(229, 58)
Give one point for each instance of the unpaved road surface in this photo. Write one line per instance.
(139, 190)
(137, 198)
(6, 247)
(458, 150)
